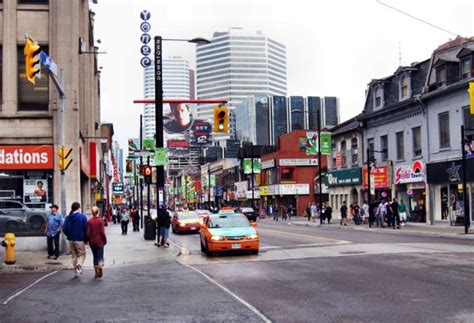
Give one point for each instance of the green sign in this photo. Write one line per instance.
(148, 144)
(257, 165)
(247, 165)
(326, 143)
(160, 156)
(344, 177)
(213, 180)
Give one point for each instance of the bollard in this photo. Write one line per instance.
(9, 244)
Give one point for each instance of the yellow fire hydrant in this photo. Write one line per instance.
(9, 244)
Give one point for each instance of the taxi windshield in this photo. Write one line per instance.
(188, 216)
(228, 221)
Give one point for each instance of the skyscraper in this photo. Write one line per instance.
(176, 84)
(238, 64)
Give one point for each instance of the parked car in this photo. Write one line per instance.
(35, 219)
(186, 221)
(249, 213)
(229, 231)
(203, 214)
(11, 223)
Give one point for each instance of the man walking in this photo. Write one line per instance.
(75, 229)
(135, 219)
(395, 214)
(343, 213)
(53, 231)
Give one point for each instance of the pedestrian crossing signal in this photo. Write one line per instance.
(147, 172)
(221, 120)
(63, 160)
(32, 60)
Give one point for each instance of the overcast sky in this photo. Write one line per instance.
(334, 48)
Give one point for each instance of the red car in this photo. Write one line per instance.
(186, 221)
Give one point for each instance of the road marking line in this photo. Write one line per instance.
(249, 306)
(28, 287)
(306, 236)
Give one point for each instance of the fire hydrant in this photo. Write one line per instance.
(9, 244)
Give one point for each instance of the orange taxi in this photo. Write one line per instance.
(227, 231)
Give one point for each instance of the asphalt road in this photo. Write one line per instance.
(303, 274)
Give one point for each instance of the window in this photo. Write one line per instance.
(333, 154)
(416, 132)
(465, 68)
(370, 145)
(384, 147)
(443, 120)
(354, 151)
(378, 99)
(287, 173)
(400, 146)
(32, 97)
(405, 88)
(468, 122)
(343, 152)
(441, 76)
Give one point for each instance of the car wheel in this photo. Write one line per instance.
(254, 252)
(11, 227)
(36, 223)
(204, 249)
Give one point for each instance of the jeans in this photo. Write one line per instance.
(396, 217)
(135, 223)
(53, 251)
(98, 254)
(124, 226)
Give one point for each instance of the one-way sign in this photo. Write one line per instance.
(49, 63)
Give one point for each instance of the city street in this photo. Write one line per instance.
(303, 273)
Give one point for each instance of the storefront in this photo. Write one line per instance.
(344, 185)
(409, 187)
(285, 195)
(26, 174)
(445, 183)
(380, 184)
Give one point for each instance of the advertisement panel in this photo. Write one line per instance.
(268, 164)
(298, 162)
(35, 188)
(312, 143)
(381, 178)
(326, 143)
(26, 157)
(414, 173)
(344, 177)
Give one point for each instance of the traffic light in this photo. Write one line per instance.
(63, 160)
(147, 172)
(32, 60)
(471, 96)
(221, 120)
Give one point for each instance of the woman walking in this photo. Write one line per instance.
(97, 240)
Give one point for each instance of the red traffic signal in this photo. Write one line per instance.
(148, 172)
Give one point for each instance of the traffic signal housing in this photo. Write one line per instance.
(221, 120)
(148, 172)
(63, 160)
(32, 60)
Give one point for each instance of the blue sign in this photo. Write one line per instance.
(145, 27)
(48, 63)
(145, 15)
(145, 61)
(145, 38)
(146, 50)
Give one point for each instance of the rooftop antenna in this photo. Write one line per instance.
(416, 18)
(399, 53)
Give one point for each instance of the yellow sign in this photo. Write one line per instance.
(263, 190)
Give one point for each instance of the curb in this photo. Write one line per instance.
(461, 236)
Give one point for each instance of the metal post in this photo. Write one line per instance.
(160, 170)
(467, 220)
(61, 125)
(141, 166)
(368, 185)
(253, 177)
(148, 191)
(209, 184)
(319, 164)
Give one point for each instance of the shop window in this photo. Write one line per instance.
(32, 97)
(443, 122)
(400, 146)
(384, 147)
(287, 173)
(416, 133)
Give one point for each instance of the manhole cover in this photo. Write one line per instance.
(351, 252)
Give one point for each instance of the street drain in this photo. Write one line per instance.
(351, 252)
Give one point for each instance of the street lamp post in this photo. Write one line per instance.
(159, 105)
(368, 180)
(467, 215)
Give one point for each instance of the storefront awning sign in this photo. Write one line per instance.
(344, 177)
(414, 173)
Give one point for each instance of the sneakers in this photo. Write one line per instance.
(56, 257)
(79, 270)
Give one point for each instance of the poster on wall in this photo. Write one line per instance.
(35, 188)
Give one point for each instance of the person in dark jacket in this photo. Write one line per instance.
(97, 240)
(164, 222)
(135, 218)
(75, 229)
(328, 213)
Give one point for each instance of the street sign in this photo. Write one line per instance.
(145, 38)
(160, 156)
(48, 63)
(326, 143)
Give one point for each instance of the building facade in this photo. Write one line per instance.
(29, 118)
(237, 64)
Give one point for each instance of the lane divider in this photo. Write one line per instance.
(28, 287)
(305, 236)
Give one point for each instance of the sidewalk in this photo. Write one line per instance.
(410, 228)
(121, 250)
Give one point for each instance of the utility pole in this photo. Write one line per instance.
(368, 186)
(141, 166)
(320, 164)
(467, 214)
